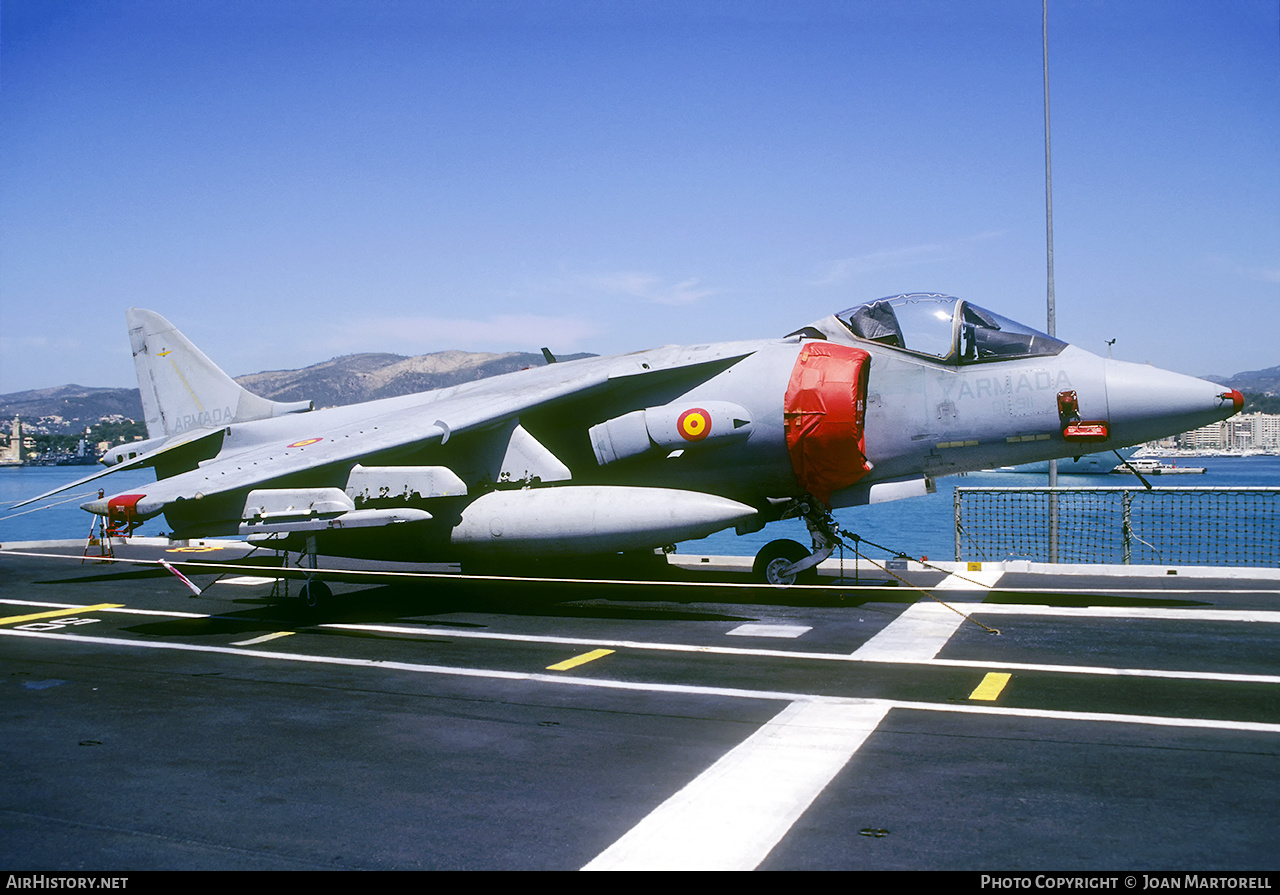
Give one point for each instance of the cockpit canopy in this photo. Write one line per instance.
(945, 327)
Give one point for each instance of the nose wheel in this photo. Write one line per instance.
(775, 561)
(784, 561)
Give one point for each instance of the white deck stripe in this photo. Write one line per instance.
(980, 580)
(762, 630)
(1151, 613)
(917, 634)
(733, 814)
(649, 687)
(925, 627)
(904, 657)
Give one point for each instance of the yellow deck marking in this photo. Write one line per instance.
(991, 686)
(579, 660)
(264, 638)
(14, 619)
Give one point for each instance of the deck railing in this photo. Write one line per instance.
(1168, 526)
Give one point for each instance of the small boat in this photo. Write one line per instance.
(1151, 466)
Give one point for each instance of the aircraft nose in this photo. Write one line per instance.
(1147, 403)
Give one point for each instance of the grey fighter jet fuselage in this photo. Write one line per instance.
(638, 451)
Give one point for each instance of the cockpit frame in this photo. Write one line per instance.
(945, 329)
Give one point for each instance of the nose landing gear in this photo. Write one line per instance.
(784, 562)
(776, 562)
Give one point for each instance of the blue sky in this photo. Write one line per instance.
(291, 181)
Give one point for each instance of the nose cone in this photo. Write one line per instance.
(1147, 403)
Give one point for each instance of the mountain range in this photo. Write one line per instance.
(1258, 382)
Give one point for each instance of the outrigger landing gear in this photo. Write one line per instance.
(315, 594)
(784, 562)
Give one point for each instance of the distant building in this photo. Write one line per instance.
(1244, 432)
(12, 454)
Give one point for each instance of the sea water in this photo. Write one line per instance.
(60, 516)
(916, 526)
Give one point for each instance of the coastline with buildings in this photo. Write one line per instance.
(35, 445)
(1244, 435)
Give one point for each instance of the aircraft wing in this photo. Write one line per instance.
(381, 430)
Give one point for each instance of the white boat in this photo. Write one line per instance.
(1152, 466)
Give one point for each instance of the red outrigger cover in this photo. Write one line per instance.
(823, 413)
(122, 514)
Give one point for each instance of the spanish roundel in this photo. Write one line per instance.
(304, 442)
(694, 424)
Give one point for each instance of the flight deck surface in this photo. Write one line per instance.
(1115, 722)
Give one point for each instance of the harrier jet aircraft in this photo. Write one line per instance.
(631, 453)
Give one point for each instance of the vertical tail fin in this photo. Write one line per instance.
(182, 390)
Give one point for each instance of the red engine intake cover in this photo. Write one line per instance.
(824, 412)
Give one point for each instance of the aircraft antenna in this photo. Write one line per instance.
(1049, 298)
(1048, 177)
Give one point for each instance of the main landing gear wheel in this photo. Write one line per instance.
(315, 595)
(776, 557)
